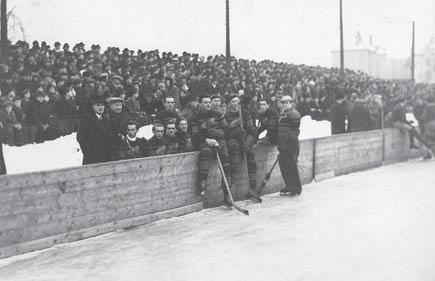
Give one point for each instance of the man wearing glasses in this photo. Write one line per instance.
(288, 147)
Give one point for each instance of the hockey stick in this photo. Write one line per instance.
(267, 177)
(243, 211)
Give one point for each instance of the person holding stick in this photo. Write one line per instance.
(288, 147)
(209, 129)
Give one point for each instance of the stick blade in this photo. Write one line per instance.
(243, 211)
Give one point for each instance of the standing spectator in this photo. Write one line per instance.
(118, 119)
(268, 118)
(94, 134)
(338, 116)
(359, 117)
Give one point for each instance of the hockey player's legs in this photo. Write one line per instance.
(248, 148)
(205, 158)
(234, 154)
(289, 170)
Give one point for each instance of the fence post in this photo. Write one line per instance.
(313, 176)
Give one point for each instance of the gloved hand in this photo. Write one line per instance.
(212, 142)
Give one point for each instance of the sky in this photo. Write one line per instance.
(296, 31)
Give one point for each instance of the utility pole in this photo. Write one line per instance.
(227, 9)
(341, 42)
(4, 30)
(413, 54)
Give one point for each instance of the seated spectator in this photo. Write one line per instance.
(38, 115)
(133, 107)
(65, 108)
(136, 145)
(157, 144)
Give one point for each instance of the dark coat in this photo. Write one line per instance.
(338, 118)
(65, 109)
(288, 132)
(94, 137)
(36, 113)
(360, 119)
(118, 125)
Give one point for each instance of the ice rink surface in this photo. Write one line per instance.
(373, 225)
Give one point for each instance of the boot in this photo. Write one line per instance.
(202, 187)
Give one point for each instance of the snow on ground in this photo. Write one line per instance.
(65, 151)
(374, 225)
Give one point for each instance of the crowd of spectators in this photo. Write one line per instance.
(45, 90)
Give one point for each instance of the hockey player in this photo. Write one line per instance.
(288, 147)
(184, 134)
(173, 143)
(209, 129)
(137, 146)
(157, 144)
(241, 138)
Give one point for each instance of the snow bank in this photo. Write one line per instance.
(65, 152)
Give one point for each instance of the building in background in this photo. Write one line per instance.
(425, 64)
(373, 60)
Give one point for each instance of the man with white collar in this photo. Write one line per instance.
(94, 134)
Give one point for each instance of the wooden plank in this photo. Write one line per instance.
(46, 177)
(46, 242)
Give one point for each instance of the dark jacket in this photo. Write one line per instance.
(288, 132)
(269, 122)
(94, 137)
(338, 118)
(360, 119)
(186, 139)
(208, 124)
(165, 117)
(174, 145)
(118, 125)
(156, 147)
(137, 147)
(36, 113)
(65, 109)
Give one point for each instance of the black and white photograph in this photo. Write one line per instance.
(217, 140)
